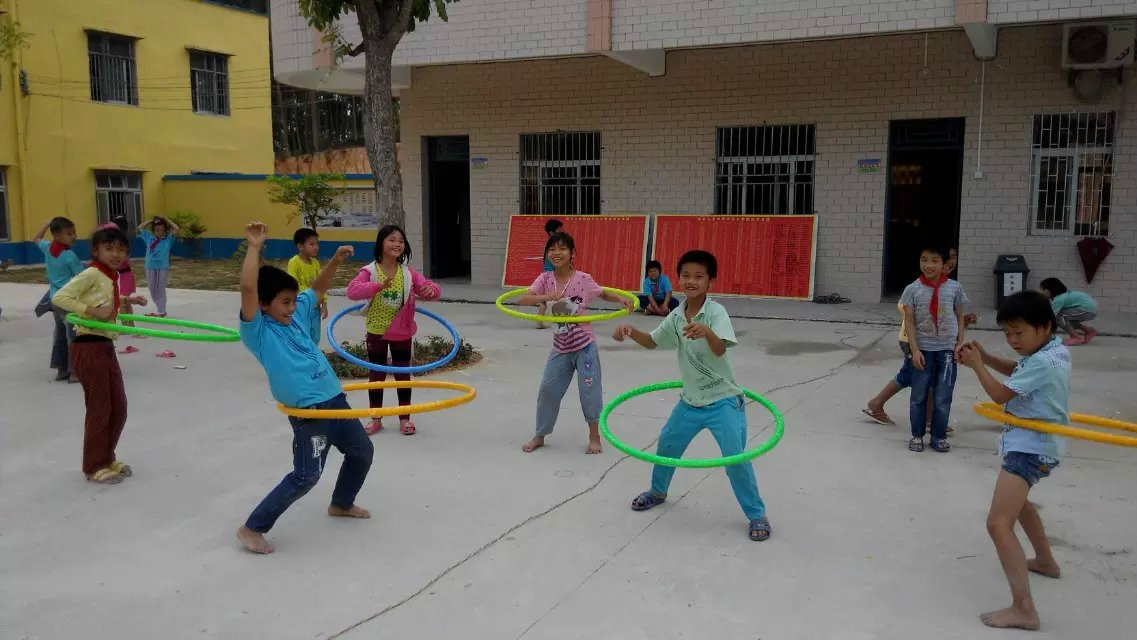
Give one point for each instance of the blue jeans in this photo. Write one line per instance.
(1031, 467)
(726, 419)
(904, 376)
(310, 440)
(61, 341)
(937, 378)
(555, 381)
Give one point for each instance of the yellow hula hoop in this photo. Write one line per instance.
(619, 313)
(422, 407)
(995, 412)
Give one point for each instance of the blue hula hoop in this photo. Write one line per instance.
(386, 368)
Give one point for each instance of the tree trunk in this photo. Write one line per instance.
(382, 26)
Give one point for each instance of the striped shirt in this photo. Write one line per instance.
(580, 290)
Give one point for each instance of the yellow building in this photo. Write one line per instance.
(110, 98)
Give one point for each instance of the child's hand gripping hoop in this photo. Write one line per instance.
(218, 333)
(698, 463)
(379, 412)
(619, 313)
(338, 348)
(994, 412)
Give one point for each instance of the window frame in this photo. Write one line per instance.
(586, 190)
(216, 80)
(103, 206)
(101, 58)
(1077, 155)
(737, 178)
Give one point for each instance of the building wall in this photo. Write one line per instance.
(658, 142)
(67, 136)
(1005, 11)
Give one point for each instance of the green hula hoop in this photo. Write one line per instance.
(619, 313)
(697, 463)
(219, 333)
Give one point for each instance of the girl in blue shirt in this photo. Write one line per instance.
(158, 234)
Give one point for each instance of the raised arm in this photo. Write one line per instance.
(323, 282)
(174, 228)
(42, 230)
(255, 234)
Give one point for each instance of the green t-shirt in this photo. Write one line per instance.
(706, 377)
(1072, 299)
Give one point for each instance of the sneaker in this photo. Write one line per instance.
(1090, 334)
(1074, 341)
(62, 375)
(373, 427)
(74, 379)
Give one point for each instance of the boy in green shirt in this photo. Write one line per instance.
(1073, 309)
(700, 331)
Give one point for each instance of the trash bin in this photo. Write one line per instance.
(1010, 277)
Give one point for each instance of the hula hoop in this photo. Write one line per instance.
(994, 412)
(422, 407)
(220, 334)
(619, 313)
(697, 463)
(388, 368)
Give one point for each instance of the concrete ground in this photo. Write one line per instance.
(473, 539)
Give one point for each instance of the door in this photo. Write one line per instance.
(448, 205)
(925, 161)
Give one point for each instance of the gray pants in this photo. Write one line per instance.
(554, 383)
(1070, 319)
(61, 341)
(156, 280)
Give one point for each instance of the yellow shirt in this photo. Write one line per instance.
(88, 289)
(385, 304)
(304, 272)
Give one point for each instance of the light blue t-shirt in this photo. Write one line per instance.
(298, 372)
(707, 378)
(1074, 299)
(941, 335)
(657, 288)
(157, 249)
(1041, 382)
(59, 270)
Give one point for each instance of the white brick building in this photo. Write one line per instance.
(984, 151)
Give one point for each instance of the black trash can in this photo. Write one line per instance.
(1010, 277)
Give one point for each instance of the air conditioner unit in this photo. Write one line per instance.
(1098, 45)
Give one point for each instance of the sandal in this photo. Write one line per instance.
(646, 500)
(941, 445)
(106, 475)
(121, 468)
(760, 529)
(406, 427)
(879, 417)
(373, 427)
(916, 444)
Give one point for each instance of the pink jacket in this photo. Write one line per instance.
(403, 327)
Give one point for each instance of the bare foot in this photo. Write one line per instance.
(1048, 569)
(355, 511)
(536, 443)
(254, 540)
(1011, 618)
(593, 445)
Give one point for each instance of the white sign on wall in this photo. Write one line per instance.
(359, 210)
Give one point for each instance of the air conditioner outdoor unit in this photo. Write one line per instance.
(1098, 45)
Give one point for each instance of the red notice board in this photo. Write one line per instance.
(611, 248)
(762, 256)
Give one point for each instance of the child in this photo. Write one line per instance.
(1072, 309)
(656, 299)
(574, 344)
(1038, 389)
(305, 267)
(126, 284)
(158, 234)
(62, 265)
(275, 323)
(94, 293)
(552, 225)
(701, 332)
(933, 318)
(390, 286)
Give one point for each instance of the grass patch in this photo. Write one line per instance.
(430, 350)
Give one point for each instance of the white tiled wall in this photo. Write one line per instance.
(1006, 11)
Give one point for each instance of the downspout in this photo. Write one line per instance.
(20, 135)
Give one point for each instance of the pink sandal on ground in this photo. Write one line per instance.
(130, 349)
(373, 427)
(165, 354)
(406, 427)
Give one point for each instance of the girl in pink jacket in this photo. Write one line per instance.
(390, 285)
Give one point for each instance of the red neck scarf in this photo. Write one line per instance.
(934, 305)
(113, 275)
(57, 248)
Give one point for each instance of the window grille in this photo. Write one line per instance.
(765, 170)
(119, 194)
(1071, 173)
(113, 75)
(560, 173)
(209, 83)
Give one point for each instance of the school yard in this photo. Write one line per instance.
(472, 539)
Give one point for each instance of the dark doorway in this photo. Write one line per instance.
(448, 205)
(925, 165)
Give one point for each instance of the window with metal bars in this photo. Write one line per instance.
(113, 75)
(209, 82)
(560, 173)
(3, 206)
(765, 170)
(119, 194)
(1071, 173)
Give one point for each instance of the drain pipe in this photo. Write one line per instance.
(982, 92)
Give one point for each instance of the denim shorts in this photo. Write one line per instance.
(1031, 467)
(904, 376)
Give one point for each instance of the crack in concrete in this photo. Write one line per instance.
(833, 371)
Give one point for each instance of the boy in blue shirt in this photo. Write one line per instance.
(1038, 389)
(1072, 310)
(656, 299)
(275, 326)
(62, 264)
(158, 234)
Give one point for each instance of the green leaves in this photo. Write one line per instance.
(312, 194)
